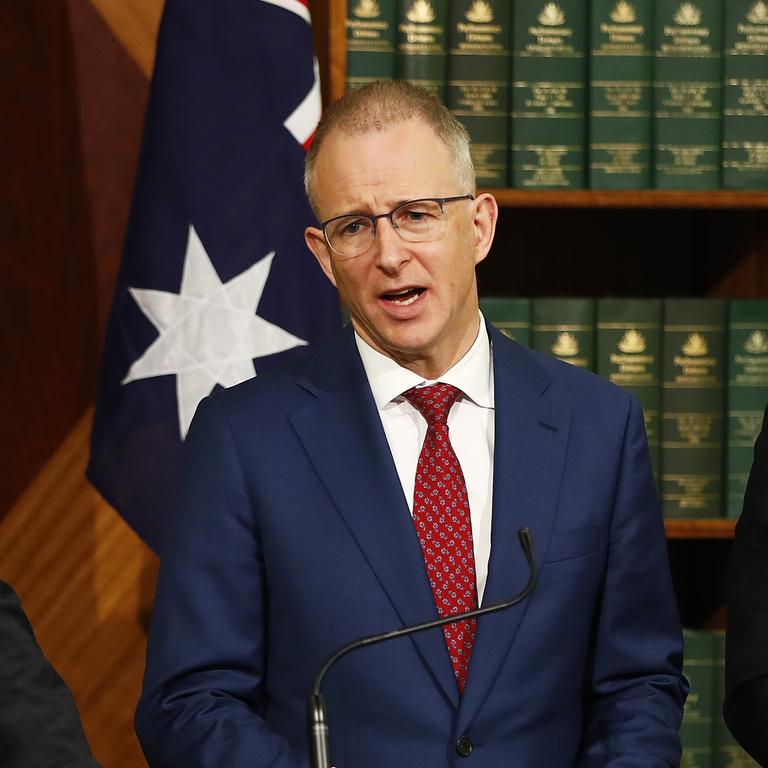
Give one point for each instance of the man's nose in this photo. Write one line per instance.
(390, 250)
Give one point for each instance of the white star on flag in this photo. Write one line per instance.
(209, 332)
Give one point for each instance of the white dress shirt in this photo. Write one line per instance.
(470, 424)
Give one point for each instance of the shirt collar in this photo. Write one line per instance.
(473, 374)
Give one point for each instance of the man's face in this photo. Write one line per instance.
(414, 302)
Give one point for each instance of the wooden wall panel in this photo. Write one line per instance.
(86, 582)
(749, 276)
(71, 114)
(134, 23)
(112, 94)
(48, 347)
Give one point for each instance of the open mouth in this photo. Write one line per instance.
(403, 298)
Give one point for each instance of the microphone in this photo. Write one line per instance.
(317, 720)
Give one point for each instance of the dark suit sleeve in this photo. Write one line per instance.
(746, 652)
(39, 723)
(637, 692)
(204, 689)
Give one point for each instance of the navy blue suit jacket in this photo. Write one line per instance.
(293, 538)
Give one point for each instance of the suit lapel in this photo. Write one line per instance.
(342, 434)
(529, 455)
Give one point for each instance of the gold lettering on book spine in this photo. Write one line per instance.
(757, 343)
(630, 365)
(747, 427)
(751, 369)
(754, 32)
(480, 12)
(367, 9)
(623, 13)
(695, 345)
(695, 367)
(695, 429)
(566, 345)
(622, 36)
(632, 342)
(687, 15)
(421, 12)
(758, 13)
(550, 37)
(686, 37)
(551, 15)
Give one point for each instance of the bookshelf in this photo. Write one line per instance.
(720, 528)
(627, 243)
(649, 199)
(608, 243)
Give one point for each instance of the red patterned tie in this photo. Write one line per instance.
(443, 523)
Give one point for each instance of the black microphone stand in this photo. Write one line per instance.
(319, 741)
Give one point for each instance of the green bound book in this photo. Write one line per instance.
(726, 753)
(478, 82)
(747, 392)
(511, 316)
(549, 100)
(370, 41)
(422, 44)
(629, 354)
(697, 729)
(621, 105)
(688, 94)
(692, 405)
(565, 329)
(745, 95)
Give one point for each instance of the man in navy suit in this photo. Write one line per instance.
(310, 516)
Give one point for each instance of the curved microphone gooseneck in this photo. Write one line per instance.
(319, 741)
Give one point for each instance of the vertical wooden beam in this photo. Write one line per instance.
(134, 23)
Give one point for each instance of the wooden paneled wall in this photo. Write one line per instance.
(48, 344)
(73, 88)
(86, 582)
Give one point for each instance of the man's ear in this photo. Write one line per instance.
(315, 241)
(485, 217)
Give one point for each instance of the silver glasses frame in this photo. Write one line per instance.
(441, 201)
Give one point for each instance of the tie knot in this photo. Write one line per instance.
(433, 402)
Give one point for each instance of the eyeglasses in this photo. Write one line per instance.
(415, 221)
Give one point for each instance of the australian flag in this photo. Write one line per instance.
(216, 284)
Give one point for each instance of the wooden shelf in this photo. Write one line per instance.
(717, 528)
(651, 198)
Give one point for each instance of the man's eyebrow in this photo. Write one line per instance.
(356, 212)
(396, 204)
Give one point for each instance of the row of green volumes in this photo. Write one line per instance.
(606, 94)
(707, 742)
(411, 39)
(699, 367)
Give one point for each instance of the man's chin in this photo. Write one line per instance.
(405, 349)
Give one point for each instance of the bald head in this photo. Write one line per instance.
(377, 106)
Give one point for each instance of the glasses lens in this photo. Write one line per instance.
(419, 221)
(350, 235)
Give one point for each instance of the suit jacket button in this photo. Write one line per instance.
(464, 746)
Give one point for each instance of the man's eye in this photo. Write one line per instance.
(416, 216)
(354, 227)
